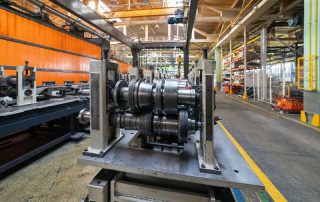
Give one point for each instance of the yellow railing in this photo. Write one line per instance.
(308, 73)
(300, 73)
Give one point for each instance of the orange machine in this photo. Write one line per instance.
(58, 55)
(287, 104)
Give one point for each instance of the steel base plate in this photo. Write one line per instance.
(207, 167)
(98, 153)
(235, 171)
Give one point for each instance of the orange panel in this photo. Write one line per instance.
(15, 54)
(21, 28)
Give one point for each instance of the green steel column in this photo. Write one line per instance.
(218, 60)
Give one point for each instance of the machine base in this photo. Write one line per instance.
(98, 153)
(184, 166)
(207, 167)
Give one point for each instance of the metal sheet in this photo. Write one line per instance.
(235, 172)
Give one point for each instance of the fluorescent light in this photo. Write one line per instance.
(92, 5)
(102, 8)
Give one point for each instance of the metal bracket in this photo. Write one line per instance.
(98, 153)
(205, 166)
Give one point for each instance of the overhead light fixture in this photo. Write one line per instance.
(92, 5)
(103, 8)
(156, 26)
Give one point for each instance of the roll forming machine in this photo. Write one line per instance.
(160, 130)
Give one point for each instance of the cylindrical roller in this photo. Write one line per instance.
(8, 81)
(8, 91)
(164, 125)
(163, 95)
(124, 93)
(187, 96)
(170, 96)
(151, 124)
(133, 122)
(120, 94)
(84, 116)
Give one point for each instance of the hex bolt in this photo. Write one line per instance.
(216, 168)
(202, 165)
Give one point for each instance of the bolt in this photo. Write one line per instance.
(101, 152)
(197, 141)
(216, 168)
(202, 165)
(85, 150)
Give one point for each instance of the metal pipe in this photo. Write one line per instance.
(65, 17)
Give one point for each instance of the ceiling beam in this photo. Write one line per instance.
(141, 13)
(161, 45)
(86, 14)
(253, 15)
(199, 20)
(209, 36)
(224, 12)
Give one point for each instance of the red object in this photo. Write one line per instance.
(288, 104)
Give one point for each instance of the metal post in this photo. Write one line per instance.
(270, 85)
(245, 96)
(263, 54)
(221, 63)
(205, 149)
(218, 60)
(169, 32)
(135, 59)
(258, 84)
(230, 52)
(254, 85)
(283, 79)
(205, 52)
(146, 33)
(186, 62)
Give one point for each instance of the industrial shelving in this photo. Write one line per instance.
(233, 74)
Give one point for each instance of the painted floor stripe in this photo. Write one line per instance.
(272, 190)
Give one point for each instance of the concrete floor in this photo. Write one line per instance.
(54, 177)
(288, 153)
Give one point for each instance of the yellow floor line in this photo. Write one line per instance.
(272, 190)
(278, 115)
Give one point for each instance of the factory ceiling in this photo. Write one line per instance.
(147, 20)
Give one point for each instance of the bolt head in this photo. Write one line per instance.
(85, 150)
(202, 165)
(216, 168)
